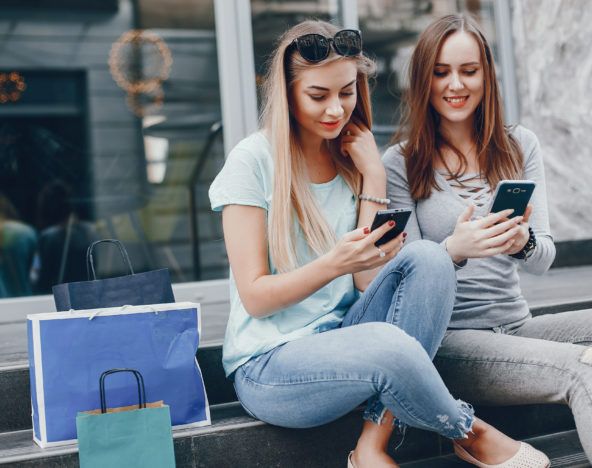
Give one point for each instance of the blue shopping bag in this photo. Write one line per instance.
(68, 351)
(128, 437)
(149, 287)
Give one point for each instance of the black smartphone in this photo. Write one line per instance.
(513, 194)
(399, 216)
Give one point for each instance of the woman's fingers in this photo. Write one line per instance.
(527, 213)
(499, 249)
(379, 232)
(502, 227)
(357, 234)
(467, 214)
(494, 218)
(502, 239)
(394, 244)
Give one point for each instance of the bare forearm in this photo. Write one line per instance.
(269, 294)
(374, 184)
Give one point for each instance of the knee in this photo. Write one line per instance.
(429, 255)
(392, 348)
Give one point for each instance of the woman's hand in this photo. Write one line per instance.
(491, 235)
(357, 142)
(522, 236)
(356, 251)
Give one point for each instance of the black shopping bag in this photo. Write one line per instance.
(150, 287)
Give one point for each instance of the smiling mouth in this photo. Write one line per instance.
(456, 99)
(331, 124)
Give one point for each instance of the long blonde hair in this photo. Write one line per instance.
(292, 195)
(498, 153)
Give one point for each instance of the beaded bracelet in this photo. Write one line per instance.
(381, 201)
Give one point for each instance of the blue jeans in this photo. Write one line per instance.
(382, 353)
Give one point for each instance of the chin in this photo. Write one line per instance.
(457, 117)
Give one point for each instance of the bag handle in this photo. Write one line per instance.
(139, 380)
(90, 264)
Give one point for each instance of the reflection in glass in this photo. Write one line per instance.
(84, 156)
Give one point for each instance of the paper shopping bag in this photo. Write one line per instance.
(150, 287)
(68, 351)
(126, 437)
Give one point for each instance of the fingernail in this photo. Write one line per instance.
(404, 235)
(366, 230)
(391, 223)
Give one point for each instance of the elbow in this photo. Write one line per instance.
(255, 308)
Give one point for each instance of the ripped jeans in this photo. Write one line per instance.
(382, 354)
(546, 359)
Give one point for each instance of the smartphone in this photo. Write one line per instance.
(513, 194)
(399, 216)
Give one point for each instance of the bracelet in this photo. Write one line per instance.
(528, 248)
(381, 201)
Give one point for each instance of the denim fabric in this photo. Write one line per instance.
(382, 353)
(545, 359)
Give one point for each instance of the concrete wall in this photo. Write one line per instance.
(553, 47)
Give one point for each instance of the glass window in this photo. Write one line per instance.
(390, 30)
(110, 126)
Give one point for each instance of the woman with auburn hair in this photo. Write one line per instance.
(452, 151)
(304, 345)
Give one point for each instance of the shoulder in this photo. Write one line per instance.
(525, 137)
(393, 158)
(254, 149)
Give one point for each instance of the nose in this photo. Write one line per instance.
(455, 82)
(335, 109)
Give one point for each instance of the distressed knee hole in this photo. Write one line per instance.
(586, 357)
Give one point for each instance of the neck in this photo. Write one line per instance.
(313, 148)
(317, 158)
(459, 134)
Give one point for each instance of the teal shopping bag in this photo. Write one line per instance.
(127, 437)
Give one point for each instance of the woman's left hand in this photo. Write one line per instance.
(357, 142)
(521, 238)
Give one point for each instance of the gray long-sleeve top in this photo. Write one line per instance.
(488, 293)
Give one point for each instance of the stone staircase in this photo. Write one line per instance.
(237, 440)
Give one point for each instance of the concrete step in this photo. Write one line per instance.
(237, 440)
(15, 394)
(563, 448)
(15, 401)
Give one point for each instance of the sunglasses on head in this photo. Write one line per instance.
(315, 48)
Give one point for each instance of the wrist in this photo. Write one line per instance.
(330, 265)
(374, 173)
(528, 248)
(450, 246)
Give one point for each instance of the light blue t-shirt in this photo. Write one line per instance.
(247, 179)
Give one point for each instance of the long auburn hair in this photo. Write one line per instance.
(292, 196)
(498, 153)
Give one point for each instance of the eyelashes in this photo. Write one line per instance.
(441, 74)
(321, 97)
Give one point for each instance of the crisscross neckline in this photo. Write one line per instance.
(470, 187)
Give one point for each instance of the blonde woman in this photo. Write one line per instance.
(304, 345)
